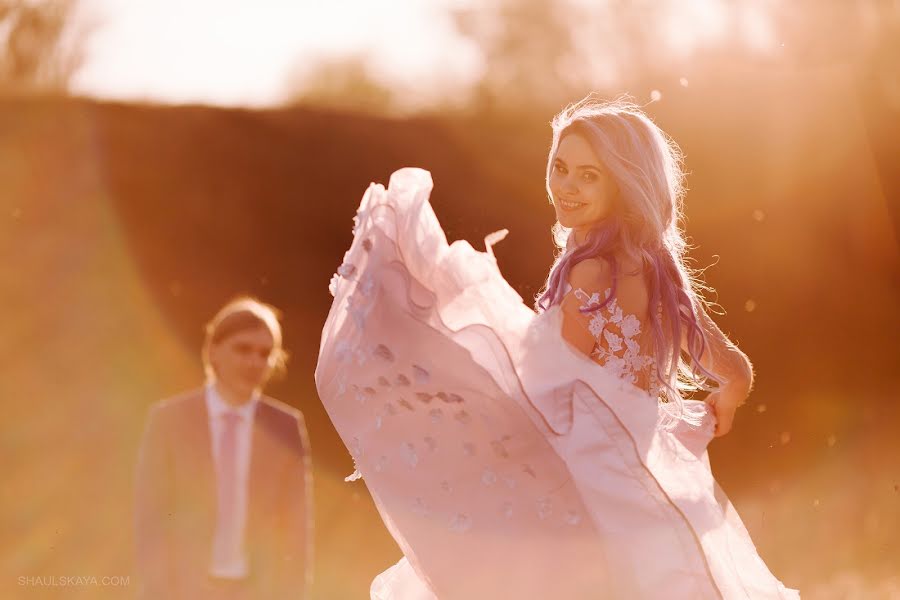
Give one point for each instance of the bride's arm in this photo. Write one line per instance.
(726, 360)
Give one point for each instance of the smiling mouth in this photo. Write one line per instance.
(568, 205)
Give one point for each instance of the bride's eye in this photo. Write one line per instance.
(589, 177)
(561, 169)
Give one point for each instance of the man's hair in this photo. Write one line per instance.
(242, 314)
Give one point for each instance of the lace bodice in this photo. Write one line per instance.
(617, 338)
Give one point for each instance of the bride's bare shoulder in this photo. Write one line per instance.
(598, 272)
(591, 274)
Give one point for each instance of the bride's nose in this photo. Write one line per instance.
(569, 186)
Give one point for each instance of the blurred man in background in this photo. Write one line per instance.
(223, 482)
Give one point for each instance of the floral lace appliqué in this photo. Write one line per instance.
(616, 333)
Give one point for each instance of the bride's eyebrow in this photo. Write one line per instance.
(594, 167)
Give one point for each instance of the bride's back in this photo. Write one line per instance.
(606, 314)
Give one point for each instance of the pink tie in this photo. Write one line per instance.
(227, 488)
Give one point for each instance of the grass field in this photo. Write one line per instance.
(123, 228)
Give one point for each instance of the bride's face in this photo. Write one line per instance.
(583, 191)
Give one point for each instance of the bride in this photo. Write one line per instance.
(548, 453)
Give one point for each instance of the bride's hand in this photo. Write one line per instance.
(724, 404)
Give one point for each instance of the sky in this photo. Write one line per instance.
(228, 52)
(238, 52)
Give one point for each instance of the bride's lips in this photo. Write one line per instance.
(569, 205)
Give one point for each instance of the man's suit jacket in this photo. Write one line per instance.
(176, 501)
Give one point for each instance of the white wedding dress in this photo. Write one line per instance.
(505, 464)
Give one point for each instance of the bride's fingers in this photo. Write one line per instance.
(723, 422)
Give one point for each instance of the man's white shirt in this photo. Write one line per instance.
(230, 561)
